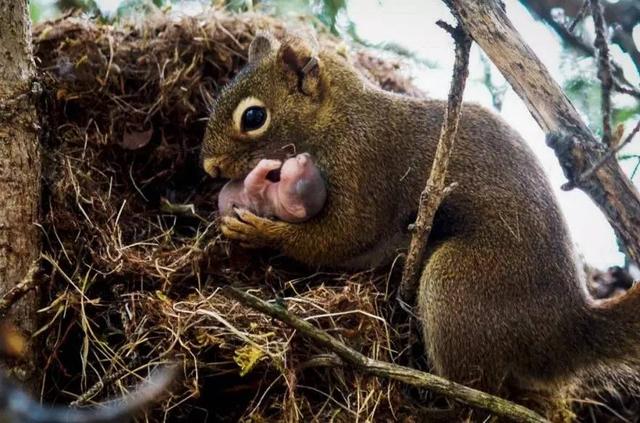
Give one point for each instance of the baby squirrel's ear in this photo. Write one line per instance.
(300, 60)
(261, 46)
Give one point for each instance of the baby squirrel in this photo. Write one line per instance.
(297, 195)
(501, 301)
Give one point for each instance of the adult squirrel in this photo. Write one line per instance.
(501, 299)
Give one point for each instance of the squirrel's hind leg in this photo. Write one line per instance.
(478, 330)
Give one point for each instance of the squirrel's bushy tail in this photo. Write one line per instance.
(613, 335)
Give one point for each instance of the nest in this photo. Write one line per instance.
(133, 252)
(134, 256)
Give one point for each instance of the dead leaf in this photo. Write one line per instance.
(135, 140)
(247, 358)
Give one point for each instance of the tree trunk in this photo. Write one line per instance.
(575, 146)
(19, 167)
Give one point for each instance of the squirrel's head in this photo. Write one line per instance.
(263, 112)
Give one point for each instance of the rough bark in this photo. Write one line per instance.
(574, 144)
(19, 165)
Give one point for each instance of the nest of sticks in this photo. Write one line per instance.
(134, 259)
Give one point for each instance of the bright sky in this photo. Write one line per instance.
(108, 6)
(412, 24)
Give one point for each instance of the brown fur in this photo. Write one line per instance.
(501, 300)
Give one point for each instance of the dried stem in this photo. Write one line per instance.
(98, 386)
(464, 394)
(436, 190)
(604, 68)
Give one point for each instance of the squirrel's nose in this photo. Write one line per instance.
(212, 167)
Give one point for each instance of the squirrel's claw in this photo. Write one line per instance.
(250, 230)
(231, 228)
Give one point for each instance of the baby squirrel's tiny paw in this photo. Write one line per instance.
(250, 230)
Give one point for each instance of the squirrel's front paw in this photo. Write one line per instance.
(252, 231)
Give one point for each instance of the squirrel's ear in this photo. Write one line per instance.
(300, 60)
(261, 46)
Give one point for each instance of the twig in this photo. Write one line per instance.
(464, 394)
(579, 16)
(635, 169)
(611, 153)
(17, 291)
(98, 386)
(604, 68)
(629, 90)
(497, 92)
(435, 189)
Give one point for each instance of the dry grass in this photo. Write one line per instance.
(132, 245)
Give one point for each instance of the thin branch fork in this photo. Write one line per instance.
(611, 153)
(464, 394)
(574, 144)
(435, 190)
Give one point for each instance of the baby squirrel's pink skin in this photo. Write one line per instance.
(299, 195)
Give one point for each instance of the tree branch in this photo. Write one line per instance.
(581, 14)
(464, 394)
(604, 68)
(574, 144)
(436, 190)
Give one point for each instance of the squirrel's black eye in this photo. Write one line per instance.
(253, 118)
